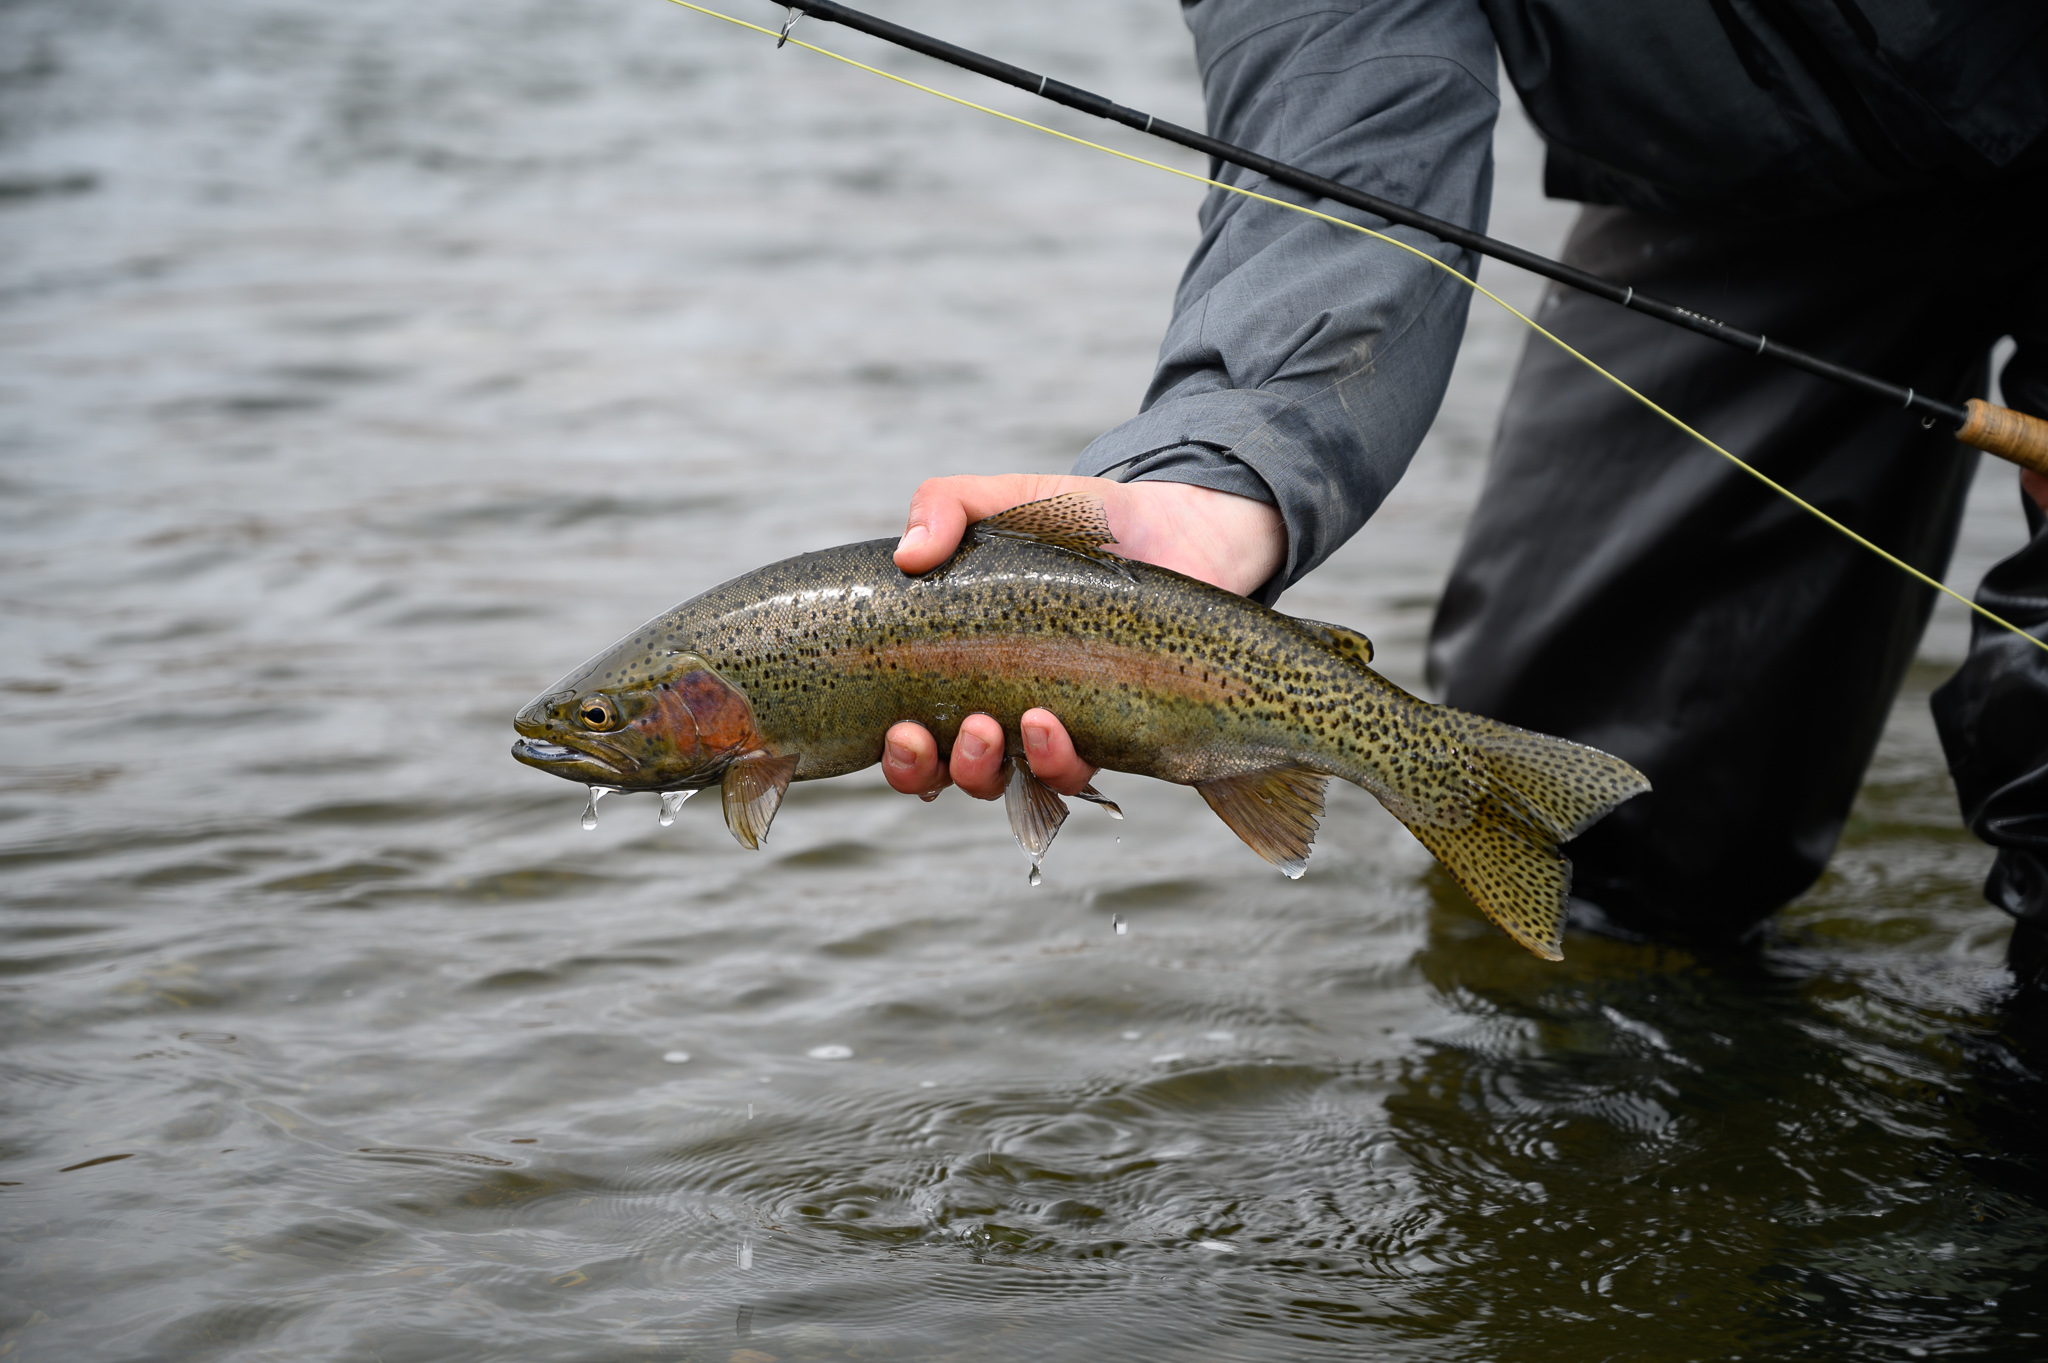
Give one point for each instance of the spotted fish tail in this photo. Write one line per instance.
(1532, 793)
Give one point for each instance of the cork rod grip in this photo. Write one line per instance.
(2007, 434)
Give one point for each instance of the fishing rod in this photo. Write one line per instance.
(1996, 430)
(2020, 433)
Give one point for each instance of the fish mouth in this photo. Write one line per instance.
(560, 758)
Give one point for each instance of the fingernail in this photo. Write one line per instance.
(901, 756)
(973, 747)
(913, 537)
(1035, 740)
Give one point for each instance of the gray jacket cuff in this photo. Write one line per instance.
(1196, 440)
(1304, 363)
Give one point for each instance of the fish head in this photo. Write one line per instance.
(638, 719)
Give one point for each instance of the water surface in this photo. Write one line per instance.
(370, 365)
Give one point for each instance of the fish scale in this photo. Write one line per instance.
(797, 670)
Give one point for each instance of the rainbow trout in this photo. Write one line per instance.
(795, 672)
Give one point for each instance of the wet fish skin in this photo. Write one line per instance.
(798, 669)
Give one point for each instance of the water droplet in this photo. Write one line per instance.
(1036, 878)
(832, 1051)
(671, 801)
(590, 810)
(1122, 928)
(746, 1255)
(676, 1057)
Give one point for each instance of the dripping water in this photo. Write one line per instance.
(1442, 1093)
(590, 809)
(671, 801)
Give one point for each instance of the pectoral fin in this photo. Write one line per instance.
(1036, 811)
(1275, 811)
(752, 791)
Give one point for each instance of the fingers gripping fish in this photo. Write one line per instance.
(796, 671)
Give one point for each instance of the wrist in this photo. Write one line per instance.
(1227, 540)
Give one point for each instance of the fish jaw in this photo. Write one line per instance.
(668, 722)
(572, 763)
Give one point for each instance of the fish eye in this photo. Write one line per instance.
(596, 712)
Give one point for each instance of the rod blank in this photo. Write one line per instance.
(1996, 430)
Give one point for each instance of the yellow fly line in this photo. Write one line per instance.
(1469, 282)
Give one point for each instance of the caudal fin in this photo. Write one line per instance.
(1529, 792)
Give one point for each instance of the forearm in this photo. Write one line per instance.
(1304, 363)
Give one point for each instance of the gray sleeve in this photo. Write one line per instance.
(1304, 363)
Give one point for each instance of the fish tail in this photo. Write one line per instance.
(1523, 795)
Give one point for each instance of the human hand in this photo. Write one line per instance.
(1220, 538)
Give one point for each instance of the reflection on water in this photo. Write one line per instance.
(369, 366)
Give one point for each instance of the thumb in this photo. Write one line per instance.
(937, 520)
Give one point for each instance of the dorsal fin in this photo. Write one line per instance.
(1348, 642)
(1072, 520)
(1274, 811)
(752, 790)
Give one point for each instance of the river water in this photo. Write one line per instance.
(370, 365)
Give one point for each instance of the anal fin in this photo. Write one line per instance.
(752, 791)
(1275, 811)
(1036, 811)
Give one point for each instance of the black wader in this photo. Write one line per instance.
(1626, 587)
